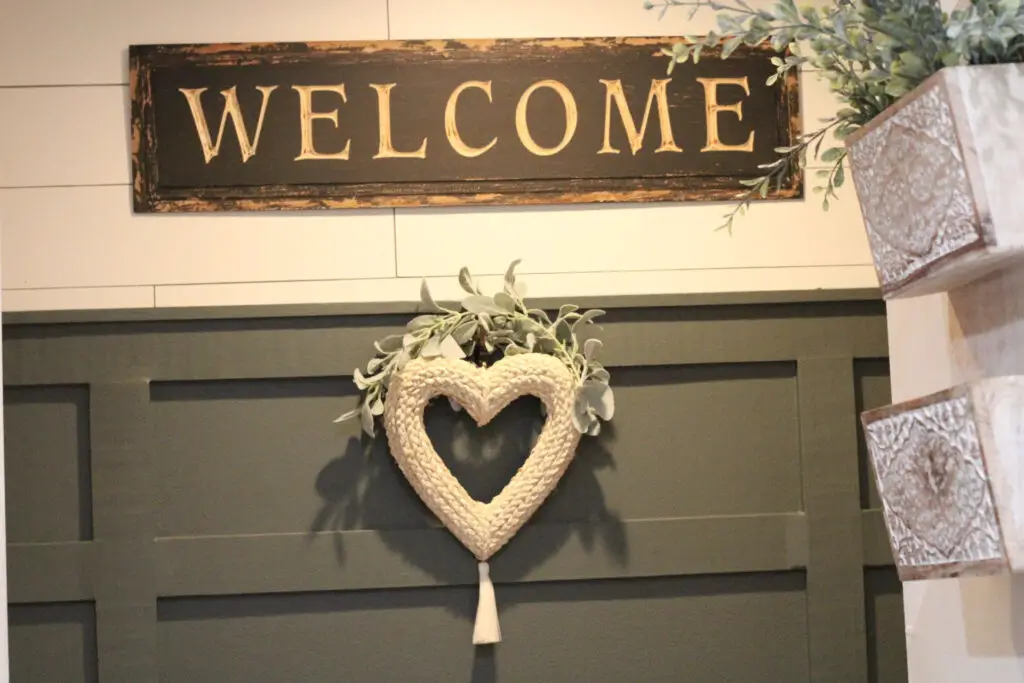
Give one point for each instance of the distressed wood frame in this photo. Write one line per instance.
(148, 197)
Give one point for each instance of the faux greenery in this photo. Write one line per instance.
(482, 330)
(873, 52)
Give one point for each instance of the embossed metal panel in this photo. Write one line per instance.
(939, 507)
(913, 187)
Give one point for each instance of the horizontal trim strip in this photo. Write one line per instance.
(299, 562)
(324, 347)
(360, 560)
(410, 307)
(877, 551)
(49, 572)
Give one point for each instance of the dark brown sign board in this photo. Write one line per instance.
(246, 127)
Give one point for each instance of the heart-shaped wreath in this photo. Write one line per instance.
(483, 356)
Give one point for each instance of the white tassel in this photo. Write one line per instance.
(486, 631)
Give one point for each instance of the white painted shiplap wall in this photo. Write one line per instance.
(70, 239)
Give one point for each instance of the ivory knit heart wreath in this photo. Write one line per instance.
(482, 356)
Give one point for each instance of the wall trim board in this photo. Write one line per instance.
(180, 562)
(402, 307)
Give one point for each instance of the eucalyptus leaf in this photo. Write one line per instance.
(546, 345)
(832, 154)
(479, 303)
(588, 316)
(360, 381)
(591, 347)
(432, 349)
(582, 416)
(505, 302)
(563, 332)
(529, 325)
(377, 406)
(367, 419)
(600, 398)
(348, 415)
(389, 344)
(510, 276)
(421, 322)
(466, 282)
(451, 349)
(566, 309)
(730, 46)
(540, 315)
(426, 299)
(465, 330)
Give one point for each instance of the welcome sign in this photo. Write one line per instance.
(246, 127)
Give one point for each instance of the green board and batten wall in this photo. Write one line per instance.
(182, 509)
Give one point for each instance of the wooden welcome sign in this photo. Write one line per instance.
(420, 123)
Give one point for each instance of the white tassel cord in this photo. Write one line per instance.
(486, 631)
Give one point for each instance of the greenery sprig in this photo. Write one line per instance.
(482, 330)
(873, 52)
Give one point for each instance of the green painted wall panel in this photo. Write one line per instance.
(53, 642)
(182, 470)
(51, 475)
(736, 629)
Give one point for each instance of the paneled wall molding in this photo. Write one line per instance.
(204, 443)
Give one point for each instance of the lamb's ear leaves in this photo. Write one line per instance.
(600, 398)
(450, 348)
(505, 302)
(426, 299)
(347, 415)
(588, 316)
(466, 281)
(510, 276)
(366, 414)
(377, 407)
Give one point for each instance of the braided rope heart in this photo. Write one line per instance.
(484, 528)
